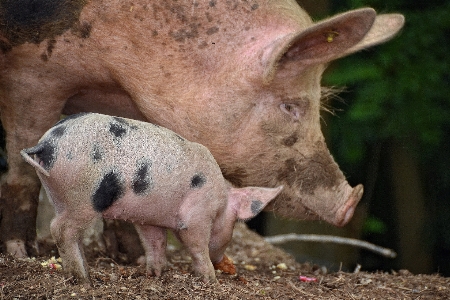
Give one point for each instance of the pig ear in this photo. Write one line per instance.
(383, 29)
(328, 40)
(249, 201)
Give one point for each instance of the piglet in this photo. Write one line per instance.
(94, 166)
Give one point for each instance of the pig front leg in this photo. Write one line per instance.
(29, 107)
(196, 239)
(67, 230)
(154, 241)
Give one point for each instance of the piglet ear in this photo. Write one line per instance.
(247, 202)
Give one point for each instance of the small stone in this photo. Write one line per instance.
(113, 277)
(250, 267)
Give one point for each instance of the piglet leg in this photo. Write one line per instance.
(154, 241)
(67, 233)
(196, 240)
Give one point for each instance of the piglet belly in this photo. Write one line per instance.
(144, 211)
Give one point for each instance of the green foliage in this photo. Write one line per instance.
(400, 89)
(374, 225)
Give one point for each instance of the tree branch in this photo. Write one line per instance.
(284, 238)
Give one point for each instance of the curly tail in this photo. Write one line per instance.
(30, 151)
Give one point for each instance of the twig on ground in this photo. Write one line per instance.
(284, 238)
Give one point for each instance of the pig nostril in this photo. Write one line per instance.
(349, 214)
(349, 208)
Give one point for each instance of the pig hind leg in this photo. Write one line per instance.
(154, 241)
(67, 229)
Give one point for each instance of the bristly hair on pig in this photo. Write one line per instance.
(327, 95)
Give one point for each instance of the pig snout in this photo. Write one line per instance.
(345, 212)
(335, 205)
(316, 189)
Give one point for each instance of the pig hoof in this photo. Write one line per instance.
(209, 279)
(16, 248)
(141, 260)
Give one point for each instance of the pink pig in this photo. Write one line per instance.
(241, 77)
(94, 166)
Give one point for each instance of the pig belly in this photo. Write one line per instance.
(112, 101)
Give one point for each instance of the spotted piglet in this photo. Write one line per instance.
(94, 166)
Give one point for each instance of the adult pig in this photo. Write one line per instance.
(94, 165)
(240, 77)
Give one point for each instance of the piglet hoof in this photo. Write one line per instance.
(226, 266)
(84, 282)
(87, 285)
(154, 272)
(209, 279)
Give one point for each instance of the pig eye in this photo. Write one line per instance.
(291, 109)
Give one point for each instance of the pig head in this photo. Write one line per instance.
(240, 77)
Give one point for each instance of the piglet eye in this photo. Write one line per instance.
(291, 109)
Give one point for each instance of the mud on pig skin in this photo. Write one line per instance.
(94, 166)
(240, 77)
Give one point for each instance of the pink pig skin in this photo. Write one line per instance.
(95, 166)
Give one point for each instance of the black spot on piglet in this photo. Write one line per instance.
(58, 131)
(198, 180)
(142, 181)
(45, 152)
(97, 153)
(121, 121)
(256, 207)
(109, 190)
(117, 129)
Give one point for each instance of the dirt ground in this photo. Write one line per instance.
(263, 272)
